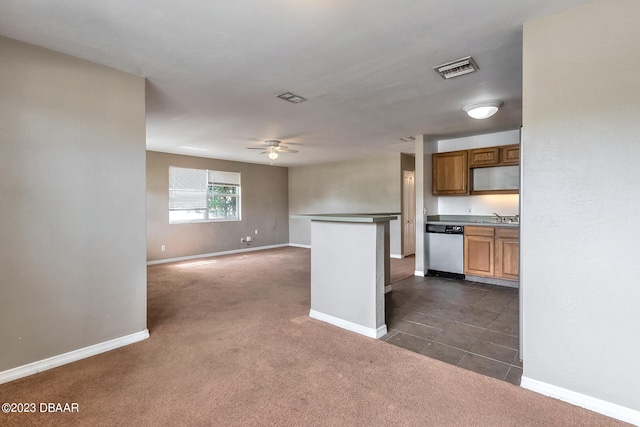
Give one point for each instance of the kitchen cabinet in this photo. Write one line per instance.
(507, 246)
(510, 154)
(479, 251)
(489, 156)
(487, 170)
(450, 173)
(492, 252)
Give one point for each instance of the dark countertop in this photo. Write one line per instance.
(479, 220)
(342, 217)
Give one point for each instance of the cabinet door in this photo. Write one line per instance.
(507, 258)
(485, 156)
(510, 154)
(479, 255)
(450, 173)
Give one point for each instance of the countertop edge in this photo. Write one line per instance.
(478, 224)
(363, 218)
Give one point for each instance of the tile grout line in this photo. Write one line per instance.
(465, 324)
(456, 348)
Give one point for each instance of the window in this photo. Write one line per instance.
(198, 195)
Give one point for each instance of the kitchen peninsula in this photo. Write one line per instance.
(349, 270)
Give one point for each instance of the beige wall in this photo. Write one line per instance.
(72, 211)
(264, 201)
(367, 185)
(580, 206)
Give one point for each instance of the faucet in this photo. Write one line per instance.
(498, 218)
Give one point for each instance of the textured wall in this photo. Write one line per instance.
(367, 185)
(264, 199)
(580, 201)
(72, 211)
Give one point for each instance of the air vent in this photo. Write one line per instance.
(291, 97)
(457, 68)
(408, 138)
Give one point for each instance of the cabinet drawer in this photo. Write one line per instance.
(504, 232)
(472, 230)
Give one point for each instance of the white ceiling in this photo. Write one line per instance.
(214, 67)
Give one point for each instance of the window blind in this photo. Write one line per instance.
(224, 178)
(187, 188)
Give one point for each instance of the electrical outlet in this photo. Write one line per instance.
(163, 248)
(249, 239)
(256, 231)
(242, 240)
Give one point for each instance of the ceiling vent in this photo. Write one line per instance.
(408, 138)
(291, 97)
(457, 68)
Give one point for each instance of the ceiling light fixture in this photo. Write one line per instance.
(273, 154)
(482, 110)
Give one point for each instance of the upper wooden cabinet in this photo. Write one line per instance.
(476, 171)
(494, 156)
(510, 154)
(489, 156)
(450, 173)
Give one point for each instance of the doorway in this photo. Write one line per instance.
(408, 213)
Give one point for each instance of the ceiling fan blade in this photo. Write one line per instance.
(286, 151)
(254, 148)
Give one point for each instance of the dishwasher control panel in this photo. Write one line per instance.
(444, 229)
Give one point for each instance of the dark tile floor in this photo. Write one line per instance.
(467, 324)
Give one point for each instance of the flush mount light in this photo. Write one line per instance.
(482, 110)
(291, 97)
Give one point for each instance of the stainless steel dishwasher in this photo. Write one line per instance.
(445, 250)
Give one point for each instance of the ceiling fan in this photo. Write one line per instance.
(273, 148)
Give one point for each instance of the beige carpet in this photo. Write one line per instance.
(231, 345)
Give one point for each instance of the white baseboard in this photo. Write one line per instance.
(350, 326)
(72, 356)
(388, 288)
(593, 404)
(212, 254)
(419, 273)
(396, 256)
(296, 245)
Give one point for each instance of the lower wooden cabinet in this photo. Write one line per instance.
(507, 253)
(479, 251)
(492, 252)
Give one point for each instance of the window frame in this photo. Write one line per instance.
(212, 179)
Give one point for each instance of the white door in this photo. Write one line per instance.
(408, 213)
